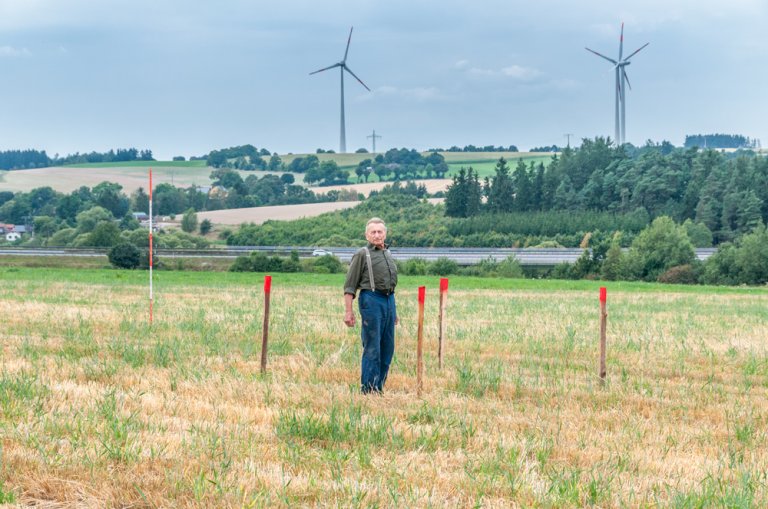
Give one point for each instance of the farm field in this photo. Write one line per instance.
(486, 168)
(132, 175)
(69, 178)
(97, 409)
(461, 158)
(432, 185)
(258, 215)
(198, 163)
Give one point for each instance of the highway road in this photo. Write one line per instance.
(462, 256)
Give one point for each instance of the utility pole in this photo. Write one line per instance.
(29, 225)
(568, 137)
(374, 136)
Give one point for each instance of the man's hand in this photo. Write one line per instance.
(349, 316)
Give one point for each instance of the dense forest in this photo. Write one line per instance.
(728, 195)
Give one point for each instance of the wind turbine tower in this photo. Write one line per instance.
(343, 67)
(622, 81)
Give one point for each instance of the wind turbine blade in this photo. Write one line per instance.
(325, 68)
(602, 56)
(358, 79)
(349, 39)
(637, 51)
(621, 41)
(626, 78)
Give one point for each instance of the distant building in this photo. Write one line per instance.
(218, 192)
(141, 216)
(12, 232)
(145, 224)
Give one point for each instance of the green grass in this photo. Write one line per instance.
(486, 167)
(482, 162)
(6, 497)
(345, 161)
(349, 423)
(209, 279)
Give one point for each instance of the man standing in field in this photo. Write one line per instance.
(373, 272)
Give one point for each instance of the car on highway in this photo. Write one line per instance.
(321, 252)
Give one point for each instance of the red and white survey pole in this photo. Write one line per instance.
(151, 295)
(441, 331)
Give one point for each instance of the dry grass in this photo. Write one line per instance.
(99, 412)
(68, 179)
(432, 185)
(258, 215)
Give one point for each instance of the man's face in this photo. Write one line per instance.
(376, 233)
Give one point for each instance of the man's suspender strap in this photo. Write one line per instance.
(370, 267)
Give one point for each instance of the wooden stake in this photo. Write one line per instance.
(265, 330)
(441, 329)
(420, 344)
(603, 322)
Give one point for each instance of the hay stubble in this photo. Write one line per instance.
(96, 412)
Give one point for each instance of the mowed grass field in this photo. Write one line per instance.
(98, 409)
(485, 167)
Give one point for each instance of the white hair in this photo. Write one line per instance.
(375, 220)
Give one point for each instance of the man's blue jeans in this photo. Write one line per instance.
(378, 314)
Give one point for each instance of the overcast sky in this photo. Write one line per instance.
(183, 77)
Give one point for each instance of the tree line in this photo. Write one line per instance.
(473, 148)
(394, 165)
(27, 159)
(661, 250)
(727, 195)
(402, 164)
(417, 223)
(719, 141)
(243, 157)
